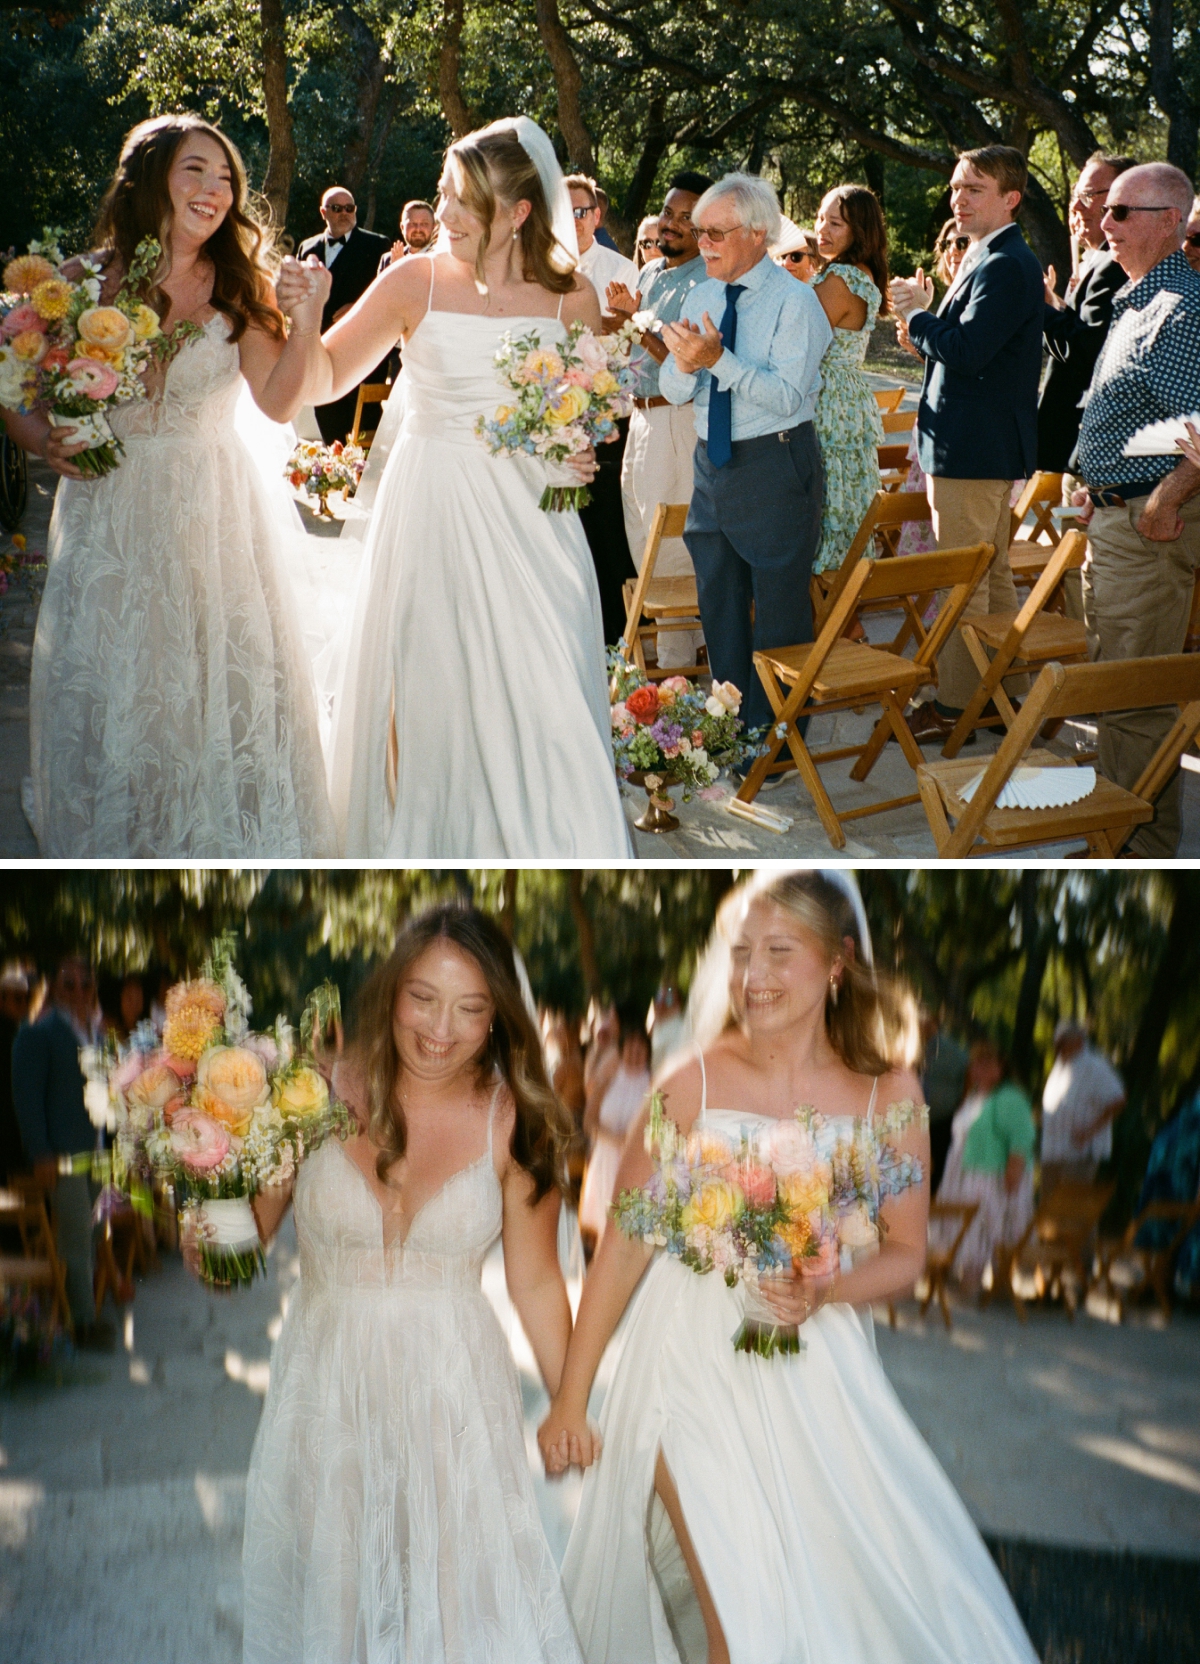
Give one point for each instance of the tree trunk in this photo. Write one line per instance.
(655, 140)
(370, 73)
(507, 919)
(1036, 943)
(454, 107)
(384, 118)
(568, 84)
(1168, 89)
(281, 163)
(586, 934)
(1175, 972)
(1043, 226)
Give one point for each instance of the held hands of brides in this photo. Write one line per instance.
(794, 1298)
(568, 1439)
(301, 290)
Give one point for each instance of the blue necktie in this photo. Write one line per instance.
(720, 400)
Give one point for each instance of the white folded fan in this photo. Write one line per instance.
(1160, 438)
(1038, 788)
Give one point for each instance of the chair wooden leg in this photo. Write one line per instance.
(944, 1303)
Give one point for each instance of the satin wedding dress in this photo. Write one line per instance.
(477, 630)
(827, 1531)
(390, 1511)
(172, 707)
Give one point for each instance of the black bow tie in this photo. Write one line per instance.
(332, 242)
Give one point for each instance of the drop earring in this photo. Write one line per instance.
(834, 986)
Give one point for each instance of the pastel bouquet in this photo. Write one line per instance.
(221, 1113)
(61, 351)
(673, 730)
(319, 470)
(566, 398)
(782, 1198)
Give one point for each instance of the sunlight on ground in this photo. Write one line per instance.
(1132, 1456)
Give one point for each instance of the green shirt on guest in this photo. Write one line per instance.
(1004, 1127)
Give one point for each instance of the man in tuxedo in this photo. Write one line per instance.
(1075, 326)
(977, 419)
(352, 256)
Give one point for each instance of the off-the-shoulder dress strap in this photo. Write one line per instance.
(703, 1082)
(871, 1105)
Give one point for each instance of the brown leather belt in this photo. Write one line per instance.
(656, 403)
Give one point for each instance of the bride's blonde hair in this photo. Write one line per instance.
(494, 167)
(872, 1026)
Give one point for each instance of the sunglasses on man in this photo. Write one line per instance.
(1120, 211)
(1192, 240)
(582, 213)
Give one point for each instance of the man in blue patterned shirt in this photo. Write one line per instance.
(1143, 512)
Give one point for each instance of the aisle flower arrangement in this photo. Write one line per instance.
(61, 351)
(320, 470)
(672, 731)
(220, 1113)
(764, 1206)
(567, 398)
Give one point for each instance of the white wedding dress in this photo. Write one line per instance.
(478, 626)
(390, 1511)
(172, 707)
(827, 1531)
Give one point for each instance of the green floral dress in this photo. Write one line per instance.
(849, 426)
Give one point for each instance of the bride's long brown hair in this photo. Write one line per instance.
(137, 204)
(513, 1048)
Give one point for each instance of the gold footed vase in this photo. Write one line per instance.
(658, 815)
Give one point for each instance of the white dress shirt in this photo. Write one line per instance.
(332, 250)
(602, 266)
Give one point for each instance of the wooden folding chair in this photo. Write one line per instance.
(1056, 1248)
(38, 1264)
(879, 531)
(890, 398)
(1020, 641)
(899, 421)
(894, 465)
(939, 1258)
(831, 674)
(1029, 547)
(654, 606)
(1106, 817)
(1192, 640)
(1153, 1267)
(370, 392)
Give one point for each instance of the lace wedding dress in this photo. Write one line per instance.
(172, 710)
(478, 629)
(827, 1531)
(390, 1512)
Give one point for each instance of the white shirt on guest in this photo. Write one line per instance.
(332, 250)
(1077, 1090)
(602, 266)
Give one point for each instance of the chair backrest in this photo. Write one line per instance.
(1123, 685)
(1043, 491)
(892, 457)
(1070, 554)
(890, 398)
(889, 510)
(899, 421)
(669, 521)
(958, 570)
(1073, 1209)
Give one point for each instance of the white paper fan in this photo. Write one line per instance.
(1039, 788)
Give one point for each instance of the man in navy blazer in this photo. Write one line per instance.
(977, 419)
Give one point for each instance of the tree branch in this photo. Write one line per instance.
(568, 85)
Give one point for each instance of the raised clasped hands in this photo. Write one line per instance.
(567, 1439)
(694, 348)
(301, 290)
(795, 1298)
(911, 294)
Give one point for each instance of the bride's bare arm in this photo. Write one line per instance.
(269, 1207)
(582, 305)
(279, 370)
(390, 309)
(532, 1272)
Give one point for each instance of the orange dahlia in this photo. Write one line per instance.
(190, 1030)
(22, 275)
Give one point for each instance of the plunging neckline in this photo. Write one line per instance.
(459, 1172)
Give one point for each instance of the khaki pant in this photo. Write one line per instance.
(1137, 598)
(967, 512)
(1073, 580)
(658, 469)
(1055, 1173)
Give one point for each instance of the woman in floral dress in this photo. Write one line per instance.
(852, 238)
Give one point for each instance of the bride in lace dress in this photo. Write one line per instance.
(473, 714)
(390, 1510)
(769, 1511)
(172, 707)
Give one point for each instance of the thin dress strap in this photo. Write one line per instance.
(429, 298)
(703, 1083)
(871, 1105)
(492, 1112)
(561, 298)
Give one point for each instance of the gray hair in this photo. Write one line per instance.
(1169, 183)
(754, 198)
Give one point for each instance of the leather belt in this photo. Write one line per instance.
(656, 403)
(1111, 497)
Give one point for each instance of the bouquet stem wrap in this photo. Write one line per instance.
(104, 449)
(230, 1251)
(761, 1333)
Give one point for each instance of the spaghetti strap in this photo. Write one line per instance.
(703, 1083)
(871, 1105)
(558, 314)
(429, 297)
(492, 1112)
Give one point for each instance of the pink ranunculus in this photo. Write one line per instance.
(124, 1075)
(577, 378)
(675, 684)
(182, 1067)
(200, 1142)
(93, 380)
(790, 1148)
(756, 1183)
(20, 319)
(824, 1262)
(591, 354)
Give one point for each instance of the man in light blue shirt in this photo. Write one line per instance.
(753, 376)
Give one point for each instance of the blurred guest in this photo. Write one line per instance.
(1081, 1099)
(616, 1094)
(977, 419)
(603, 518)
(1191, 239)
(990, 1162)
(797, 252)
(1142, 512)
(14, 1009)
(564, 1070)
(668, 1025)
(662, 436)
(852, 289)
(601, 1039)
(646, 248)
(56, 1131)
(353, 256)
(943, 1080)
(603, 236)
(1173, 1175)
(128, 1007)
(1075, 327)
(418, 227)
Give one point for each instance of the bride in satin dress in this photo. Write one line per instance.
(390, 1510)
(472, 716)
(783, 1510)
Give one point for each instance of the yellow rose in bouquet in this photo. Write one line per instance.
(145, 323)
(105, 326)
(713, 1204)
(567, 407)
(301, 1093)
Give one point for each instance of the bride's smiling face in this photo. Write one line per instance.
(779, 972)
(443, 1012)
(200, 184)
(464, 229)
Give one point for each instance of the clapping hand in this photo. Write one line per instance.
(911, 294)
(301, 290)
(620, 300)
(1053, 298)
(1190, 447)
(694, 348)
